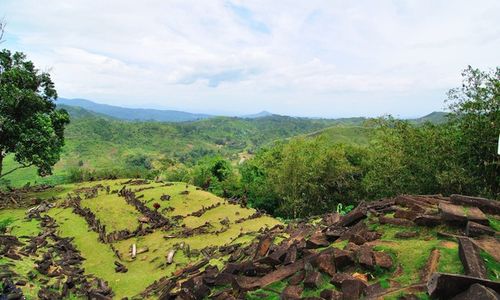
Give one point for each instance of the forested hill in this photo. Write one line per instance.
(96, 141)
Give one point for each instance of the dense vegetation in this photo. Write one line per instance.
(309, 175)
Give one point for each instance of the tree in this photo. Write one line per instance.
(476, 116)
(31, 127)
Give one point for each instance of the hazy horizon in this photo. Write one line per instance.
(325, 59)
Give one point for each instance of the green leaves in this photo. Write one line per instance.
(30, 125)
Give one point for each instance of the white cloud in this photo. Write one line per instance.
(324, 58)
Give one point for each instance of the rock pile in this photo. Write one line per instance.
(306, 260)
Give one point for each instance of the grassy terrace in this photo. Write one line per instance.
(113, 212)
(116, 214)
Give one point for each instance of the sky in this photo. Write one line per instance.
(302, 58)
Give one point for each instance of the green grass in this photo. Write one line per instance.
(449, 261)
(412, 254)
(492, 266)
(494, 223)
(16, 223)
(113, 212)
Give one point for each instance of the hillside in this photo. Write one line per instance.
(107, 239)
(94, 141)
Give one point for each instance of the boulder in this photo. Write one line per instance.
(396, 221)
(264, 244)
(353, 216)
(330, 295)
(382, 259)
(474, 214)
(474, 229)
(291, 255)
(486, 205)
(428, 220)
(325, 262)
(353, 289)
(333, 233)
(477, 291)
(291, 292)
(365, 257)
(342, 258)
(312, 280)
(452, 213)
(317, 240)
(446, 286)
(331, 218)
(471, 260)
(405, 214)
(338, 278)
(297, 278)
(406, 234)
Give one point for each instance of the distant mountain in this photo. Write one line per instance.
(77, 112)
(437, 117)
(262, 114)
(134, 114)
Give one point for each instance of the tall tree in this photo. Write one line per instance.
(476, 108)
(31, 127)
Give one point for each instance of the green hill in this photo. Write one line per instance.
(99, 142)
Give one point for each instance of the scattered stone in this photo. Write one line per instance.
(312, 280)
(470, 256)
(474, 214)
(297, 278)
(331, 219)
(446, 286)
(396, 221)
(405, 214)
(338, 278)
(331, 295)
(477, 291)
(317, 240)
(170, 256)
(474, 229)
(406, 234)
(452, 213)
(291, 292)
(291, 255)
(354, 216)
(165, 197)
(353, 289)
(342, 258)
(486, 205)
(430, 266)
(365, 257)
(120, 268)
(382, 260)
(428, 220)
(264, 244)
(325, 263)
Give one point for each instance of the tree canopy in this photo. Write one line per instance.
(31, 127)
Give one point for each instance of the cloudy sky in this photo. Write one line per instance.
(304, 58)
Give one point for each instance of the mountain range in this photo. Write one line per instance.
(84, 107)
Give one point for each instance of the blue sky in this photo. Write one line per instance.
(302, 58)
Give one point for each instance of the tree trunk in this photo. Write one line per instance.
(1, 164)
